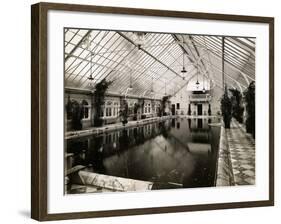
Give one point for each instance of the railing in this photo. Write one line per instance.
(199, 97)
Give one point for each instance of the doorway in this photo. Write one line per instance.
(199, 109)
(173, 109)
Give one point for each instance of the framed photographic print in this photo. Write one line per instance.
(138, 111)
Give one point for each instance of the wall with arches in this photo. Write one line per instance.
(110, 110)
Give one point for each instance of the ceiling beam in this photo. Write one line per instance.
(197, 52)
(245, 76)
(228, 76)
(197, 59)
(149, 54)
(187, 82)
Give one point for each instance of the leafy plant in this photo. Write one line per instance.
(136, 108)
(163, 105)
(74, 113)
(69, 109)
(124, 112)
(226, 108)
(250, 108)
(238, 109)
(99, 96)
(141, 103)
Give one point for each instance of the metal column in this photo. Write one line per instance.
(222, 70)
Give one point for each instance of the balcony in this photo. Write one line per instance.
(200, 97)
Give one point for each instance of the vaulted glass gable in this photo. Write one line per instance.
(155, 64)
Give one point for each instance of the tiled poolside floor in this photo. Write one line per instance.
(242, 154)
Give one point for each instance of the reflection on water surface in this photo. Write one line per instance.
(175, 153)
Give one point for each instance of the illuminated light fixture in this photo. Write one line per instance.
(204, 90)
(128, 66)
(152, 86)
(90, 78)
(183, 68)
(140, 39)
(87, 43)
(197, 82)
(130, 86)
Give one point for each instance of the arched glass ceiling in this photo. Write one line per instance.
(157, 64)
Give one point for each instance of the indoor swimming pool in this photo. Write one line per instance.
(176, 153)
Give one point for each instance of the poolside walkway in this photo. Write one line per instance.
(113, 127)
(242, 154)
(119, 126)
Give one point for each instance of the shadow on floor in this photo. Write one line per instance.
(24, 213)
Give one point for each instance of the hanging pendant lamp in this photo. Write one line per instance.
(140, 39)
(204, 90)
(183, 68)
(91, 68)
(152, 91)
(197, 82)
(130, 86)
(87, 44)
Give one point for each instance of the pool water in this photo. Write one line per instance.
(175, 153)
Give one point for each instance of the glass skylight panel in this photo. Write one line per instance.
(68, 36)
(160, 57)
(235, 44)
(75, 40)
(248, 42)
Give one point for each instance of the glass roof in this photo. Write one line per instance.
(155, 61)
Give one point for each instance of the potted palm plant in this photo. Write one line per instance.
(164, 101)
(99, 96)
(75, 114)
(250, 108)
(136, 108)
(124, 112)
(236, 103)
(226, 109)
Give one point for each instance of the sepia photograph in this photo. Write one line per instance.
(150, 111)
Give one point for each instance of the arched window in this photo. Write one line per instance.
(85, 109)
(131, 108)
(116, 109)
(108, 109)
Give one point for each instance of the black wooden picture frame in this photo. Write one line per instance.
(39, 106)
